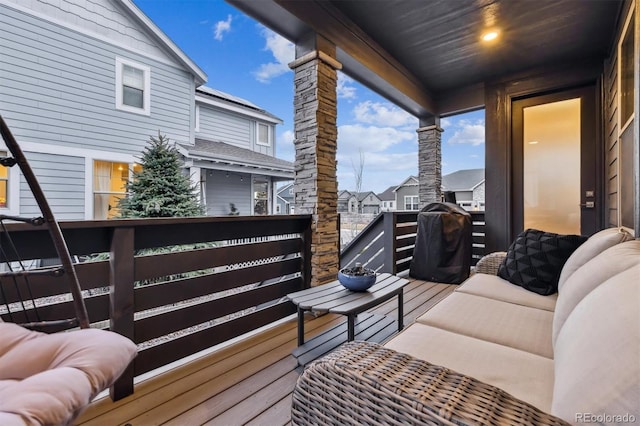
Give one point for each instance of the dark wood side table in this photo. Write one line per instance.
(336, 299)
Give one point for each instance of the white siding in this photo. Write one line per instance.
(62, 179)
(57, 86)
(225, 126)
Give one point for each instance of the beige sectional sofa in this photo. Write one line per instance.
(575, 354)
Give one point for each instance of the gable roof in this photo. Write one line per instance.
(139, 16)
(361, 196)
(410, 181)
(388, 194)
(225, 154)
(463, 180)
(283, 190)
(344, 194)
(224, 100)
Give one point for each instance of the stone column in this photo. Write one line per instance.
(315, 182)
(430, 162)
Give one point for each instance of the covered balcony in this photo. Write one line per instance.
(216, 334)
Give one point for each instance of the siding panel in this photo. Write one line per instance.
(219, 125)
(58, 86)
(222, 190)
(62, 180)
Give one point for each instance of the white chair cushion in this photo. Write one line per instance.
(508, 324)
(593, 273)
(524, 375)
(595, 245)
(496, 288)
(597, 353)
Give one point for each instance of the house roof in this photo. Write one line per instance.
(284, 190)
(223, 156)
(410, 181)
(463, 180)
(361, 196)
(344, 194)
(164, 40)
(427, 56)
(230, 102)
(388, 194)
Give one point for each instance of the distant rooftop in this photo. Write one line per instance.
(462, 180)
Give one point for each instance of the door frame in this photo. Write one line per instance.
(591, 218)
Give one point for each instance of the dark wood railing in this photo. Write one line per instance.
(231, 279)
(386, 244)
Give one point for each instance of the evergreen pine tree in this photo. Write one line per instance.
(159, 189)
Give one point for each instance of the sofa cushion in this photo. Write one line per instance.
(496, 288)
(524, 375)
(596, 244)
(597, 367)
(50, 378)
(507, 324)
(535, 259)
(593, 273)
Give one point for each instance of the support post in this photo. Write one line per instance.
(121, 277)
(315, 182)
(390, 242)
(430, 161)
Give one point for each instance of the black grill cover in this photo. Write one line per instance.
(443, 244)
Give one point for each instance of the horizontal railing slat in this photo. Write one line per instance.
(173, 350)
(156, 295)
(178, 319)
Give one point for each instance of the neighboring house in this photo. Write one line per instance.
(468, 186)
(347, 202)
(285, 200)
(358, 202)
(233, 157)
(85, 84)
(403, 197)
(368, 202)
(388, 199)
(407, 198)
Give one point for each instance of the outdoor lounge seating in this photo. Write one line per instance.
(510, 356)
(48, 379)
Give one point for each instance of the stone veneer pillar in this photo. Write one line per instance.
(430, 164)
(315, 183)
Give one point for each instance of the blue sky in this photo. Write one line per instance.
(245, 59)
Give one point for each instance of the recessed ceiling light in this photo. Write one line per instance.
(490, 35)
(534, 143)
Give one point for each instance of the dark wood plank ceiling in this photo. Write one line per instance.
(422, 54)
(440, 41)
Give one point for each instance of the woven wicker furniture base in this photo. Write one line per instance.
(364, 383)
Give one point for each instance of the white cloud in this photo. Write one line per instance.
(285, 147)
(369, 139)
(383, 114)
(344, 88)
(446, 122)
(221, 28)
(468, 132)
(283, 52)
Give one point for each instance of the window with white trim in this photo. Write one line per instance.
(411, 202)
(109, 186)
(263, 134)
(133, 87)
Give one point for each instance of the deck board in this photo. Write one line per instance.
(249, 382)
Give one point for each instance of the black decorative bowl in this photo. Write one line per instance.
(357, 282)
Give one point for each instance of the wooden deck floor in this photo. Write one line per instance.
(249, 382)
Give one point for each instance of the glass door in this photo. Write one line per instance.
(555, 163)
